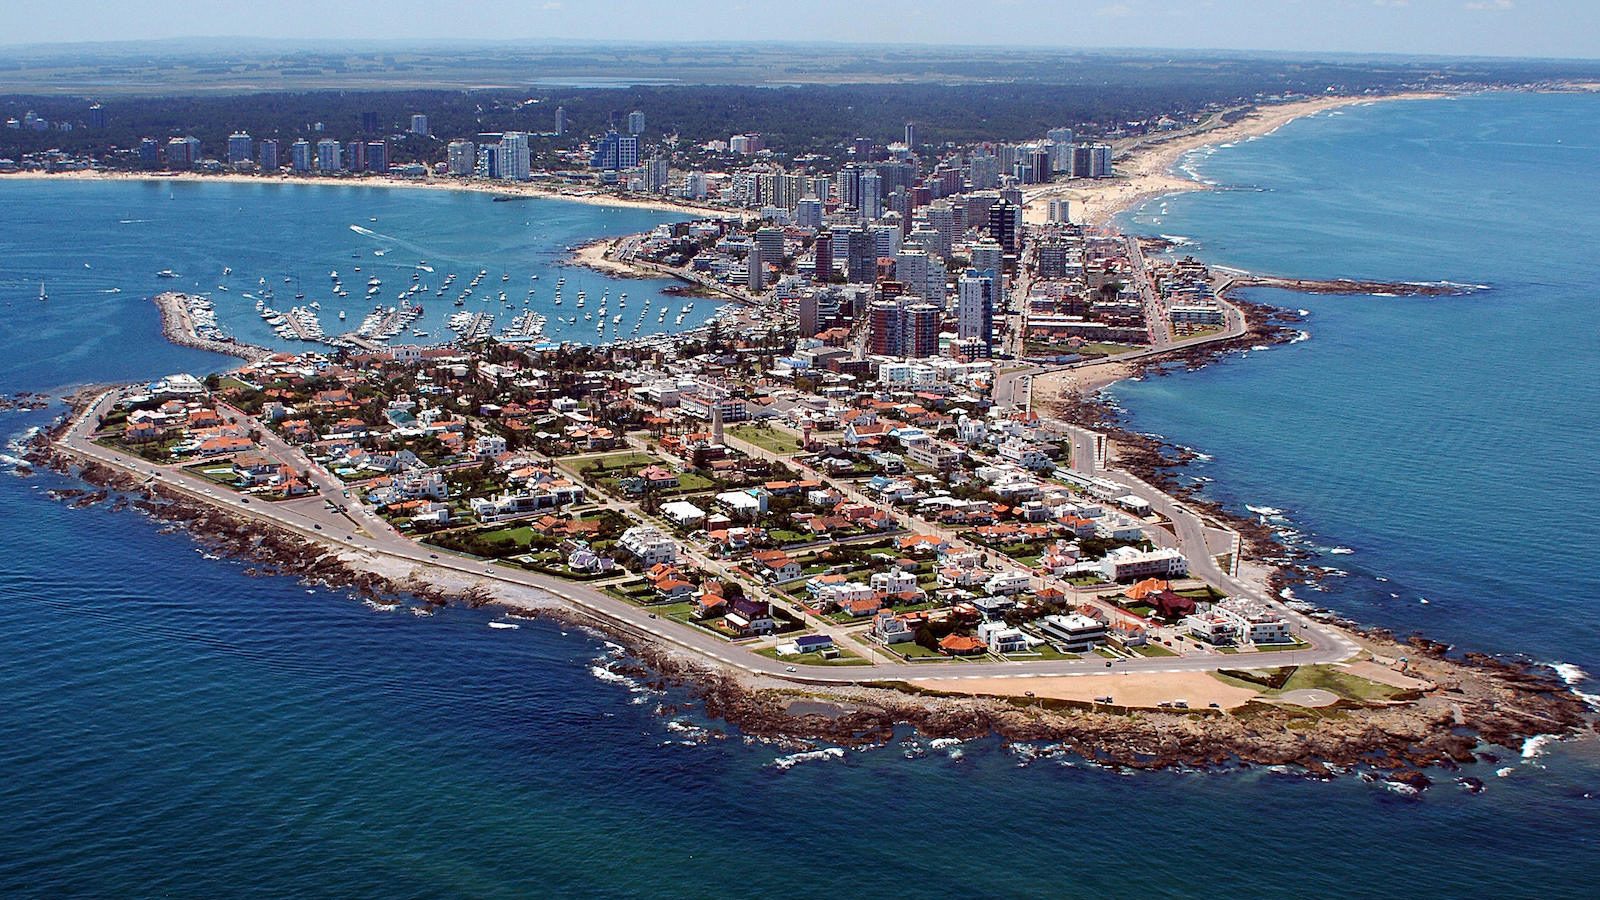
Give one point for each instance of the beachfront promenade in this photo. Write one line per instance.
(348, 526)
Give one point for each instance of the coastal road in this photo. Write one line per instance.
(317, 523)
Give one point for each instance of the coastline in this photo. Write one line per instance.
(1442, 712)
(1148, 169)
(530, 190)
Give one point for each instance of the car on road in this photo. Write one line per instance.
(789, 668)
(433, 556)
(318, 526)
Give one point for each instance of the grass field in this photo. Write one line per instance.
(767, 438)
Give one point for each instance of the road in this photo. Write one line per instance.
(360, 530)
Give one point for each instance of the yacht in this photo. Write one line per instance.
(42, 294)
(166, 273)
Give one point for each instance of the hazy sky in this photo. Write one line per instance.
(1569, 28)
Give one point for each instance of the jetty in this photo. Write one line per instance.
(179, 326)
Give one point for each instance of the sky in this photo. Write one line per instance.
(1538, 28)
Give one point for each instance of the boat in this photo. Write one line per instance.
(341, 315)
(166, 273)
(226, 270)
(42, 294)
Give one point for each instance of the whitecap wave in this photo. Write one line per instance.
(1535, 747)
(795, 759)
(1300, 336)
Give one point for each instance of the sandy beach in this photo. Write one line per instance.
(570, 193)
(1146, 167)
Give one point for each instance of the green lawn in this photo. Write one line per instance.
(1278, 648)
(1326, 678)
(768, 438)
(1152, 650)
(1041, 652)
(845, 658)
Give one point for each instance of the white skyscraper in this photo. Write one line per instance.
(636, 122)
(419, 124)
(975, 304)
(515, 161)
(329, 155)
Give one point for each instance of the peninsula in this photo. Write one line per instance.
(881, 494)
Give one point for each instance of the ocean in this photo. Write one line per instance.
(97, 246)
(174, 726)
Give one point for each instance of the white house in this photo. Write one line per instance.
(649, 545)
(684, 514)
(1005, 583)
(1076, 632)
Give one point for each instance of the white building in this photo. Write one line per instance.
(1125, 563)
(649, 545)
(1076, 632)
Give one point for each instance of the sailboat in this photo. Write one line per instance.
(42, 294)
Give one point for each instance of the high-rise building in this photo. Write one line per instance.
(656, 171)
(461, 157)
(870, 197)
(615, 151)
(756, 267)
(911, 135)
(920, 333)
(240, 148)
(183, 151)
(823, 248)
(861, 256)
(984, 172)
(355, 156)
(516, 160)
(369, 121)
(807, 313)
(884, 328)
(975, 302)
(770, 239)
(1003, 222)
(986, 254)
(269, 158)
(149, 153)
(561, 120)
(636, 122)
(1091, 161)
(942, 219)
(808, 212)
(328, 156)
(378, 157)
(97, 117)
(848, 184)
(300, 155)
(419, 124)
(1060, 149)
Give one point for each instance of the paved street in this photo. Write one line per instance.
(363, 531)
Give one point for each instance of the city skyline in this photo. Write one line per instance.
(1504, 28)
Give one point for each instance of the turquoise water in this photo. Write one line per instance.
(170, 726)
(87, 239)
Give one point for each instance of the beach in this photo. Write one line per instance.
(1145, 168)
(573, 194)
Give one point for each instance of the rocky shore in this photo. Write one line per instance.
(1476, 701)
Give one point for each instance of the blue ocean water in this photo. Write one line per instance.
(86, 239)
(171, 726)
(1444, 440)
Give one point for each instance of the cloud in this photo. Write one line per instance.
(1391, 2)
(1115, 11)
(551, 6)
(1491, 5)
